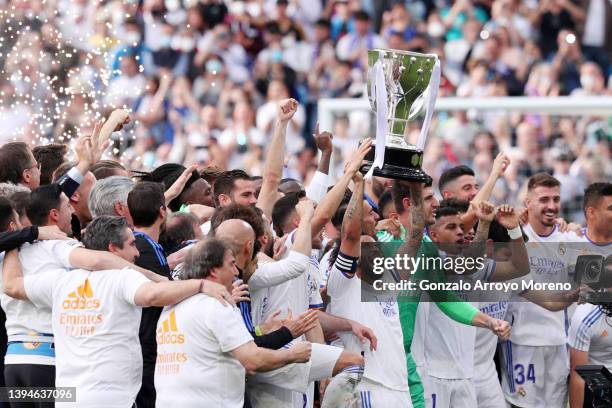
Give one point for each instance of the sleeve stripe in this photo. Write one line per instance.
(582, 340)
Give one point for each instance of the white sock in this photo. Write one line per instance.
(341, 390)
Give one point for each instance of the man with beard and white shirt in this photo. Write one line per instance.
(30, 357)
(489, 393)
(443, 349)
(536, 362)
(95, 315)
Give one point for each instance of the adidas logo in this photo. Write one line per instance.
(167, 332)
(604, 333)
(82, 298)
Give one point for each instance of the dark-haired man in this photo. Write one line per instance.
(458, 182)
(147, 206)
(234, 187)
(18, 165)
(95, 315)
(195, 191)
(597, 207)
(444, 349)
(537, 360)
(587, 343)
(50, 157)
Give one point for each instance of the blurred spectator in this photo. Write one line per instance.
(202, 78)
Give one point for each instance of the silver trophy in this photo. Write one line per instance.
(410, 83)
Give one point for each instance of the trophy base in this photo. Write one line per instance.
(399, 164)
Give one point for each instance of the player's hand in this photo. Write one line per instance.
(391, 225)
(305, 209)
(114, 123)
(364, 334)
(280, 248)
(177, 187)
(272, 323)
(240, 291)
(507, 216)
(357, 178)
(300, 352)
(50, 232)
(302, 324)
(217, 291)
(485, 211)
(500, 164)
(203, 212)
(286, 109)
(500, 328)
(356, 160)
(323, 139)
(583, 292)
(565, 226)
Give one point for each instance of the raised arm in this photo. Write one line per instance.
(273, 168)
(317, 188)
(328, 206)
(518, 265)
(12, 276)
(416, 223)
(350, 232)
(500, 164)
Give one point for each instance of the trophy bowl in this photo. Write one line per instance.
(407, 78)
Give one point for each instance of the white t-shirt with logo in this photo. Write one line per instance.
(95, 324)
(23, 317)
(550, 258)
(195, 367)
(591, 330)
(25, 321)
(387, 364)
(443, 346)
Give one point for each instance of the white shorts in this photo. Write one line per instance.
(445, 393)
(288, 386)
(535, 377)
(488, 389)
(374, 395)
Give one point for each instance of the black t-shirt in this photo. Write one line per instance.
(153, 258)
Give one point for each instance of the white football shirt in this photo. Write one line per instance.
(387, 364)
(549, 259)
(195, 367)
(591, 330)
(444, 347)
(95, 324)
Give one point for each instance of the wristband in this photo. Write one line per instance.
(258, 331)
(515, 233)
(184, 209)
